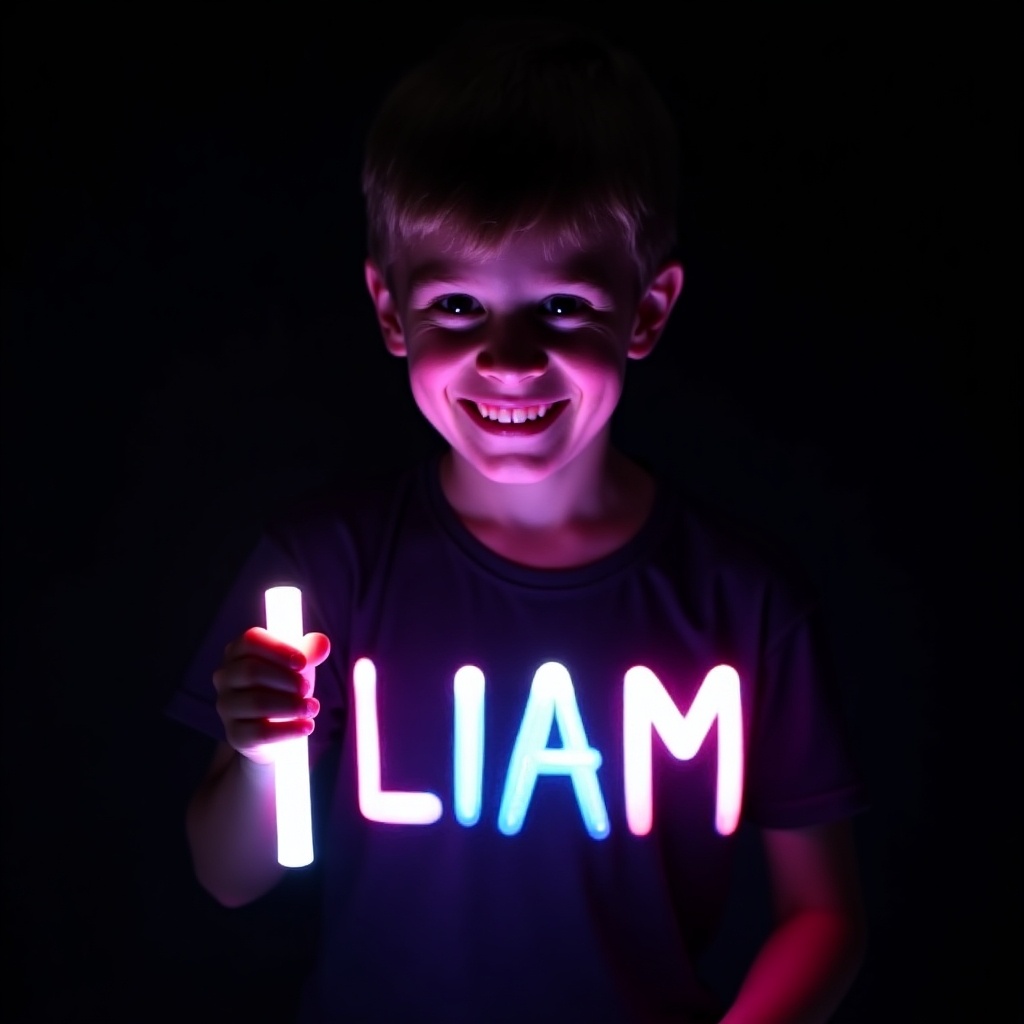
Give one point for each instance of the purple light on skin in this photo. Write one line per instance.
(469, 744)
(647, 706)
(291, 757)
(392, 806)
(552, 699)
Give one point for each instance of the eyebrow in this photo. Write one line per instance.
(437, 274)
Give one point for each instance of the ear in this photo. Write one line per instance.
(387, 310)
(653, 310)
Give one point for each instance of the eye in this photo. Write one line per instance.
(459, 305)
(562, 305)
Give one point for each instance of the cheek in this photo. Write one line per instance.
(600, 348)
(431, 370)
(601, 362)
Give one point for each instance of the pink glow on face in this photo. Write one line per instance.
(392, 807)
(523, 328)
(291, 757)
(647, 706)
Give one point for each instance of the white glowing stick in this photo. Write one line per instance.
(291, 757)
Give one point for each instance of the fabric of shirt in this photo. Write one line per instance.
(461, 922)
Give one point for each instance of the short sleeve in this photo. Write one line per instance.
(802, 769)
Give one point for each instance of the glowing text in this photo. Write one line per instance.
(647, 708)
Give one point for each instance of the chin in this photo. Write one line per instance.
(513, 469)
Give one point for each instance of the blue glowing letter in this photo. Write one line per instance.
(469, 744)
(552, 699)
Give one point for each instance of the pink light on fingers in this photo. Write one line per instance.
(392, 806)
(291, 757)
(647, 706)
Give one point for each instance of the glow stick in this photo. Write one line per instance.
(291, 757)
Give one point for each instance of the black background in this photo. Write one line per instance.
(187, 345)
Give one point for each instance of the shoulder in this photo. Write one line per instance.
(725, 542)
(731, 568)
(354, 505)
(335, 537)
(354, 524)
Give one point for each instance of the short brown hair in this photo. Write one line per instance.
(522, 122)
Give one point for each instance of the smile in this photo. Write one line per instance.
(511, 414)
(513, 419)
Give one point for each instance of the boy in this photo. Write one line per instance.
(557, 845)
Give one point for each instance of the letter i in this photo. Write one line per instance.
(468, 744)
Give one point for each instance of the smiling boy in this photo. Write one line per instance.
(588, 682)
(517, 358)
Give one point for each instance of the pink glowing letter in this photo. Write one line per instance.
(377, 805)
(647, 705)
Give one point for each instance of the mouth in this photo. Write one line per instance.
(513, 420)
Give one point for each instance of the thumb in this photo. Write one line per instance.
(316, 647)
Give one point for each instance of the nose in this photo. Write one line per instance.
(511, 355)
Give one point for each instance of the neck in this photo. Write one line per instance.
(581, 513)
(588, 488)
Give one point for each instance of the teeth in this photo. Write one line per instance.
(506, 414)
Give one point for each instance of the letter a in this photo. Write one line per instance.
(552, 699)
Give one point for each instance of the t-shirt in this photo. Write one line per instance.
(577, 747)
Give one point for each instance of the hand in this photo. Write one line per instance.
(265, 690)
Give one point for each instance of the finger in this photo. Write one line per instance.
(254, 734)
(258, 642)
(256, 673)
(249, 703)
(316, 647)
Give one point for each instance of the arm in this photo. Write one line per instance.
(263, 696)
(232, 829)
(810, 959)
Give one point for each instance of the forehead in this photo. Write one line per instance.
(532, 255)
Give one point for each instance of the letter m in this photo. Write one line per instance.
(647, 707)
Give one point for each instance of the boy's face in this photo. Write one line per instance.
(517, 358)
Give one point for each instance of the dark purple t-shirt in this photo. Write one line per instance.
(562, 914)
